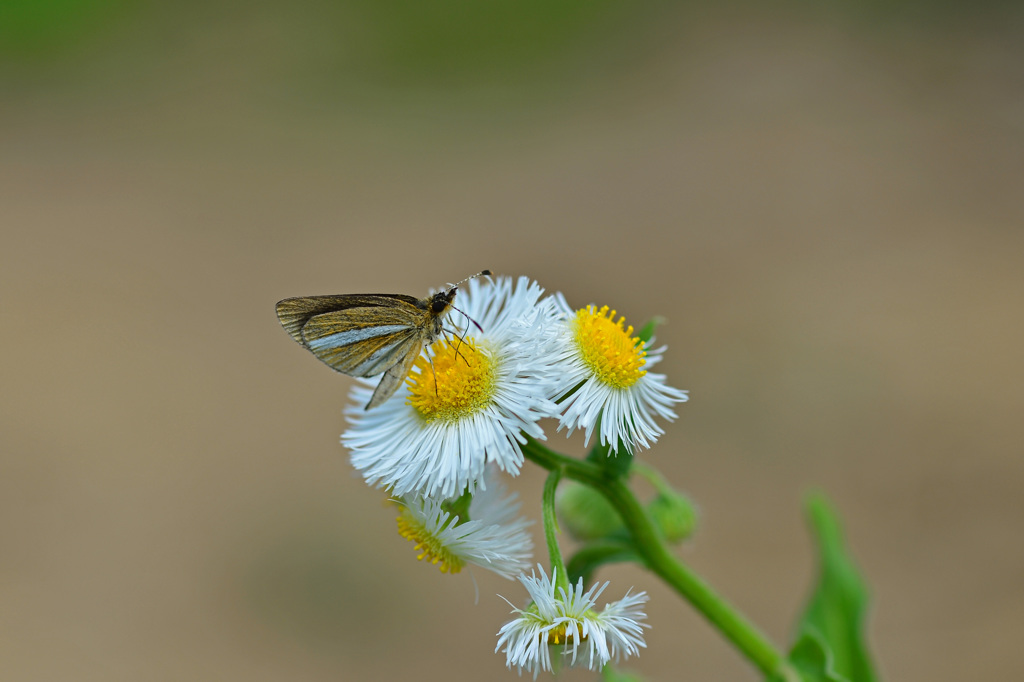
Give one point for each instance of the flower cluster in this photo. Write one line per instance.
(473, 399)
(512, 358)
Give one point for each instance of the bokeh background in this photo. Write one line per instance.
(825, 202)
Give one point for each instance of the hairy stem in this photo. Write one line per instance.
(551, 530)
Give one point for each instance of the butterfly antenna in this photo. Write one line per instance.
(475, 323)
(482, 273)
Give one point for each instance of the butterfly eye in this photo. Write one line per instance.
(439, 304)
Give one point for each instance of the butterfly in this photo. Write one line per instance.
(363, 335)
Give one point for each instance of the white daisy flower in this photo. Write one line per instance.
(603, 381)
(494, 537)
(466, 404)
(556, 617)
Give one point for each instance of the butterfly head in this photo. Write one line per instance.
(440, 301)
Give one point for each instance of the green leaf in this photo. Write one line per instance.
(830, 643)
(813, 659)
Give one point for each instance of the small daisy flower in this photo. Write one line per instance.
(604, 384)
(494, 537)
(556, 617)
(467, 403)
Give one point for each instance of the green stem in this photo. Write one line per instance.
(659, 559)
(590, 558)
(654, 477)
(551, 530)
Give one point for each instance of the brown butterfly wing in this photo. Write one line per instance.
(294, 313)
(355, 338)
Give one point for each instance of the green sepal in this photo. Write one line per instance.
(830, 643)
(459, 506)
(647, 332)
(616, 464)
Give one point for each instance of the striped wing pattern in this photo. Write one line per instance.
(294, 313)
(363, 342)
(359, 335)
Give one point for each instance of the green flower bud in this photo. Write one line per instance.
(584, 512)
(674, 515)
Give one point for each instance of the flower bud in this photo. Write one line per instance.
(673, 514)
(584, 512)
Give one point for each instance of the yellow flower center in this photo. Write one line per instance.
(457, 381)
(608, 348)
(560, 634)
(429, 547)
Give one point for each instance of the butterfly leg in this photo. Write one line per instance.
(460, 338)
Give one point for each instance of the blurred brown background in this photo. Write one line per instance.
(826, 205)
